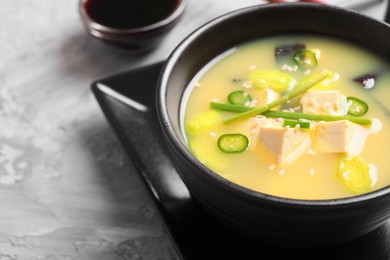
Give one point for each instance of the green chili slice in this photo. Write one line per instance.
(357, 106)
(294, 123)
(239, 97)
(305, 59)
(233, 143)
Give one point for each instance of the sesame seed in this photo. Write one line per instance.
(254, 102)
(247, 84)
(252, 67)
(310, 151)
(213, 134)
(317, 53)
(284, 67)
(346, 175)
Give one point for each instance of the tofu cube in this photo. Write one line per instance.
(324, 102)
(251, 128)
(339, 137)
(266, 96)
(285, 144)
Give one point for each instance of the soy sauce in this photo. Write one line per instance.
(128, 14)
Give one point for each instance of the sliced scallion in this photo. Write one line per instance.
(299, 89)
(315, 117)
(294, 123)
(233, 143)
(305, 59)
(239, 97)
(290, 115)
(357, 106)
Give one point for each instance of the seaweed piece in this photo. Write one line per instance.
(288, 49)
(367, 80)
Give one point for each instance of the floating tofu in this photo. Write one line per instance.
(266, 96)
(285, 144)
(324, 102)
(251, 129)
(339, 137)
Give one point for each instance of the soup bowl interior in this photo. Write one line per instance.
(270, 219)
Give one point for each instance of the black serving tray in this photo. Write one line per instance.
(128, 102)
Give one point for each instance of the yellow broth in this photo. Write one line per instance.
(311, 176)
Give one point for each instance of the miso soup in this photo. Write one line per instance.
(296, 116)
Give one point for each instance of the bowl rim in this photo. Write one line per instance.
(167, 128)
(172, 17)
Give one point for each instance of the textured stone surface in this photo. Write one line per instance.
(67, 189)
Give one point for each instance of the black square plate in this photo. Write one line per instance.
(128, 102)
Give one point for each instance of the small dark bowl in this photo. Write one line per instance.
(270, 219)
(134, 39)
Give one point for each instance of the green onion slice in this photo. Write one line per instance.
(305, 59)
(357, 106)
(239, 97)
(233, 143)
(294, 123)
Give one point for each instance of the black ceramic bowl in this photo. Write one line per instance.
(105, 20)
(275, 220)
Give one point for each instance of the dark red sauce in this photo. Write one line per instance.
(127, 14)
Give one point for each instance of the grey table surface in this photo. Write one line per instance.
(67, 188)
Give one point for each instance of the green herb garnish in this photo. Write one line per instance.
(305, 59)
(290, 115)
(301, 87)
(239, 97)
(233, 143)
(357, 107)
(294, 123)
